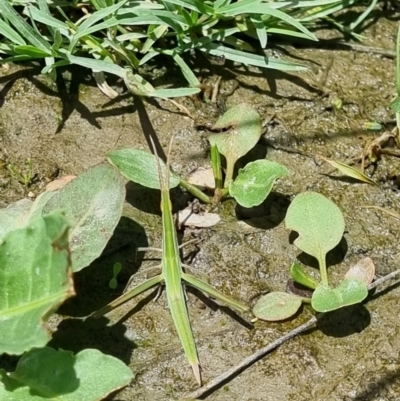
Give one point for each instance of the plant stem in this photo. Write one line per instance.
(224, 192)
(216, 166)
(324, 273)
(194, 191)
(230, 166)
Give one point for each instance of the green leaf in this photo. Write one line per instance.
(20, 213)
(176, 92)
(31, 51)
(265, 9)
(395, 104)
(47, 19)
(99, 65)
(98, 16)
(242, 130)
(260, 29)
(350, 171)
(47, 374)
(255, 181)
(318, 221)
(141, 167)
(8, 32)
(349, 292)
(300, 276)
(93, 204)
(11, 217)
(186, 71)
(35, 277)
(246, 58)
(23, 28)
(276, 306)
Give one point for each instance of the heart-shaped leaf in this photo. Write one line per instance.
(363, 270)
(92, 203)
(276, 306)
(242, 130)
(35, 277)
(47, 374)
(141, 167)
(255, 181)
(349, 292)
(300, 276)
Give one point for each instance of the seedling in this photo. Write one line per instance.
(113, 283)
(320, 225)
(239, 131)
(25, 177)
(173, 276)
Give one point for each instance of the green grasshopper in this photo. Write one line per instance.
(173, 276)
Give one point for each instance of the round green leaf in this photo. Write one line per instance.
(318, 221)
(349, 292)
(276, 306)
(92, 202)
(255, 182)
(35, 277)
(47, 374)
(242, 130)
(141, 167)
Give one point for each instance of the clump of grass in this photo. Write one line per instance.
(118, 37)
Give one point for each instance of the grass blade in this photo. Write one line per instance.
(194, 5)
(48, 20)
(8, 32)
(350, 171)
(260, 29)
(186, 71)
(23, 27)
(251, 59)
(100, 65)
(179, 92)
(99, 15)
(30, 51)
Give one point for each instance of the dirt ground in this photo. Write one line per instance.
(353, 354)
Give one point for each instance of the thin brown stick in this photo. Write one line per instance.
(250, 360)
(384, 279)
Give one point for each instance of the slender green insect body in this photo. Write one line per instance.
(172, 273)
(173, 276)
